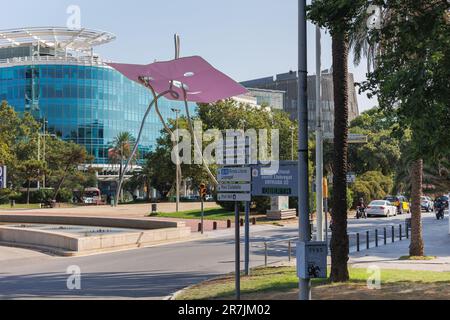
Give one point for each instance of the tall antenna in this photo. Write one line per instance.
(177, 46)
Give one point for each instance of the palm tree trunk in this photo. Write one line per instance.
(339, 239)
(416, 248)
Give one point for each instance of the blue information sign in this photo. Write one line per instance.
(283, 183)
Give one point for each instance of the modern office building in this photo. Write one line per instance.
(54, 74)
(288, 83)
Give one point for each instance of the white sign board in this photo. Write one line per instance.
(234, 187)
(232, 197)
(234, 175)
(312, 260)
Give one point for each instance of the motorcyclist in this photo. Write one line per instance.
(361, 209)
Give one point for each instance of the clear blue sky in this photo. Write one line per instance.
(246, 39)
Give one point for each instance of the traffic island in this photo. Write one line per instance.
(281, 283)
(72, 236)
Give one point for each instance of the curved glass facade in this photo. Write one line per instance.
(89, 105)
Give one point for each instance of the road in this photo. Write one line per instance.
(148, 273)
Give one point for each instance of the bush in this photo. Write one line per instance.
(7, 194)
(44, 195)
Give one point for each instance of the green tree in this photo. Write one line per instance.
(411, 80)
(383, 151)
(32, 170)
(340, 18)
(63, 161)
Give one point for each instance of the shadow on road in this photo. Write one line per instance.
(97, 285)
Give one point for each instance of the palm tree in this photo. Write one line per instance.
(121, 149)
(339, 239)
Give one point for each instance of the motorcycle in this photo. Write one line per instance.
(440, 213)
(361, 213)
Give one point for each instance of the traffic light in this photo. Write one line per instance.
(203, 191)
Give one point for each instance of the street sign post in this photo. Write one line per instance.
(3, 177)
(284, 183)
(233, 197)
(235, 186)
(240, 175)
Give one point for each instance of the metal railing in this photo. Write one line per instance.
(86, 60)
(390, 235)
(373, 239)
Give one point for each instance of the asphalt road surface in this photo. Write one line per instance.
(148, 273)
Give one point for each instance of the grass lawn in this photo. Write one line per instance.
(19, 206)
(210, 214)
(280, 283)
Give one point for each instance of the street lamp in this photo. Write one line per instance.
(177, 112)
(302, 108)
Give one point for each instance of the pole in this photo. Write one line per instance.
(237, 250)
(178, 170)
(319, 139)
(45, 161)
(247, 238)
(302, 106)
(203, 214)
(325, 205)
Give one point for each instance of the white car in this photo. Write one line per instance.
(381, 208)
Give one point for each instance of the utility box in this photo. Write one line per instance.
(312, 260)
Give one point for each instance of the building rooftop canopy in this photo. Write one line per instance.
(59, 38)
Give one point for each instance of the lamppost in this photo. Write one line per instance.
(302, 108)
(177, 112)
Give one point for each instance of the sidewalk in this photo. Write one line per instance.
(437, 243)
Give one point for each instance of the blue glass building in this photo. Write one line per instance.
(54, 74)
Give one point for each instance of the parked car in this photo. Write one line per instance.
(426, 204)
(401, 202)
(382, 208)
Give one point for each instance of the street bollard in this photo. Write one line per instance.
(367, 240)
(357, 242)
(401, 233)
(385, 236)
(265, 254)
(228, 224)
(376, 238)
(289, 250)
(242, 222)
(254, 221)
(214, 225)
(393, 234)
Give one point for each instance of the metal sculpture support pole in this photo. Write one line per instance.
(136, 146)
(196, 146)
